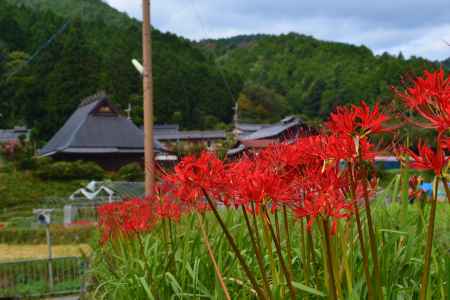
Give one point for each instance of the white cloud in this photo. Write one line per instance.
(414, 27)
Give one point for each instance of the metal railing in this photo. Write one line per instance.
(32, 277)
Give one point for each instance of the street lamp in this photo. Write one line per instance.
(137, 65)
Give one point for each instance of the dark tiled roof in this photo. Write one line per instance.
(85, 132)
(166, 127)
(238, 149)
(190, 135)
(7, 135)
(274, 130)
(251, 127)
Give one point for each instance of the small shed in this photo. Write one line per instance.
(98, 131)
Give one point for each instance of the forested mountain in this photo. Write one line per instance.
(446, 62)
(270, 75)
(89, 10)
(93, 53)
(300, 74)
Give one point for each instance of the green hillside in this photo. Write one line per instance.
(304, 75)
(90, 10)
(94, 54)
(271, 75)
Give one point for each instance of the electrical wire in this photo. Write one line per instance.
(41, 47)
(219, 68)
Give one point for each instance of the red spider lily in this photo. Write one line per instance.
(256, 181)
(321, 195)
(444, 142)
(166, 204)
(428, 159)
(430, 98)
(357, 120)
(126, 218)
(332, 149)
(167, 210)
(194, 175)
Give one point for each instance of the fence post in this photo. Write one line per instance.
(50, 267)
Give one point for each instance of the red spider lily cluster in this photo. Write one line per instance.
(125, 218)
(429, 97)
(321, 178)
(307, 176)
(428, 159)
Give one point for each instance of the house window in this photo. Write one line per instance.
(105, 110)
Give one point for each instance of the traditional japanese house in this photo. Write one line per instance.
(171, 136)
(98, 131)
(253, 137)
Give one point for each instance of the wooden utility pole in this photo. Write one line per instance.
(148, 99)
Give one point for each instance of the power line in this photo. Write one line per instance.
(41, 47)
(219, 68)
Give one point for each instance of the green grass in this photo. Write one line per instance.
(182, 269)
(20, 191)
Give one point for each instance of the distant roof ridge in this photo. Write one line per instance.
(100, 95)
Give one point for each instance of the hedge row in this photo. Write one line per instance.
(60, 235)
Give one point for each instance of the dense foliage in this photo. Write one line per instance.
(311, 76)
(92, 53)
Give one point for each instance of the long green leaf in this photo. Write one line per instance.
(308, 289)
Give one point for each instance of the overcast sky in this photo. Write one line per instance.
(414, 27)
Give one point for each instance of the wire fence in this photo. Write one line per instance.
(39, 277)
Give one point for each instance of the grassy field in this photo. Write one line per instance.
(19, 252)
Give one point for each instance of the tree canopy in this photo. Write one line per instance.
(93, 53)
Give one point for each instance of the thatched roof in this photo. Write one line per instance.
(97, 126)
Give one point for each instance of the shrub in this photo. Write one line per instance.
(131, 172)
(60, 235)
(71, 170)
(27, 163)
(32, 162)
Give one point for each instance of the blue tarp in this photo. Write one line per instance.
(427, 187)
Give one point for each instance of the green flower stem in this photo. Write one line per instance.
(429, 246)
(211, 256)
(447, 190)
(280, 256)
(372, 238)
(361, 235)
(258, 254)
(329, 260)
(288, 240)
(235, 249)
